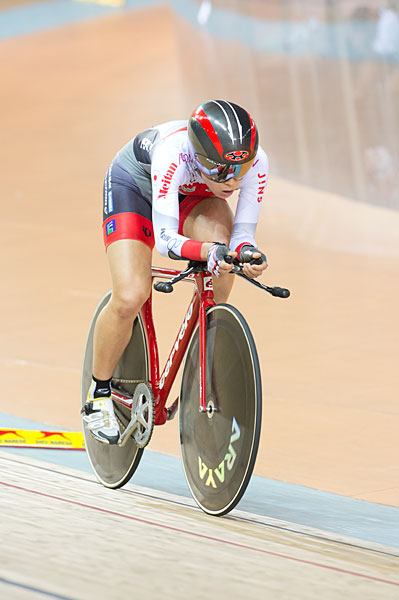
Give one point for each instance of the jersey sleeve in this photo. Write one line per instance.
(168, 172)
(249, 203)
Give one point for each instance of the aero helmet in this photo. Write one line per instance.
(224, 138)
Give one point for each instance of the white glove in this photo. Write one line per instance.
(216, 254)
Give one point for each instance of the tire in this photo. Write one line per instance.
(114, 465)
(219, 448)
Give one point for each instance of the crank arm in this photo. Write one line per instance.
(129, 430)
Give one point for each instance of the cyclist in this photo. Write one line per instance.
(169, 187)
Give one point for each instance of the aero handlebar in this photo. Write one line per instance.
(195, 267)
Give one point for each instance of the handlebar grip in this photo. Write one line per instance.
(163, 286)
(280, 292)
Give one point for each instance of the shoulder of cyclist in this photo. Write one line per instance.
(171, 159)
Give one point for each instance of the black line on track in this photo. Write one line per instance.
(229, 517)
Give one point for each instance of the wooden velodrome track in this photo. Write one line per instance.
(75, 94)
(67, 528)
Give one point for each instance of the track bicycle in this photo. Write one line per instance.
(220, 401)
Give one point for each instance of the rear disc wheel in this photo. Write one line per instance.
(114, 465)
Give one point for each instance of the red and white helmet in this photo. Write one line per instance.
(224, 138)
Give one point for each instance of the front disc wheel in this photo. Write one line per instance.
(219, 446)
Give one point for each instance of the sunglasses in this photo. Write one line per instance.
(220, 173)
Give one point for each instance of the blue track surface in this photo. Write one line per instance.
(47, 15)
(274, 499)
(33, 590)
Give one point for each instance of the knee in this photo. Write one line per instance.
(221, 235)
(127, 303)
(221, 232)
(221, 221)
(211, 220)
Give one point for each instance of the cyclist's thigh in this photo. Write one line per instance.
(211, 220)
(130, 266)
(128, 234)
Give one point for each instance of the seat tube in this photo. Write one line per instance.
(152, 345)
(207, 299)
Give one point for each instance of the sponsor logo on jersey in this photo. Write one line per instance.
(110, 202)
(111, 226)
(147, 231)
(164, 236)
(262, 185)
(146, 144)
(173, 244)
(188, 189)
(184, 157)
(166, 180)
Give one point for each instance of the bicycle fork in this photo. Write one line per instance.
(206, 301)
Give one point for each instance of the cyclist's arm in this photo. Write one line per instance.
(246, 218)
(249, 203)
(166, 180)
(167, 174)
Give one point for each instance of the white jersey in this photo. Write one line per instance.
(164, 158)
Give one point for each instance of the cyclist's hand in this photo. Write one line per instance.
(217, 255)
(253, 260)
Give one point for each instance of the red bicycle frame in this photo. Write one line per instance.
(201, 299)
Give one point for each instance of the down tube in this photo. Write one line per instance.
(176, 355)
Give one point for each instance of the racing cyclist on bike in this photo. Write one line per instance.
(169, 187)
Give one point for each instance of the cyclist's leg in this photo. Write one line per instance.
(128, 237)
(212, 220)
(130, 266)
